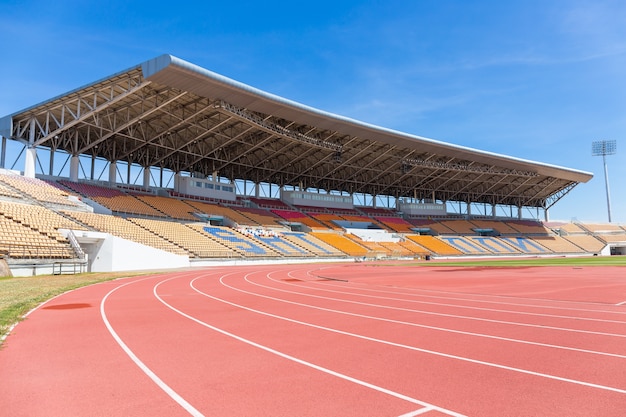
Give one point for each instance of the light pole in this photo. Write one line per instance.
(604, 148)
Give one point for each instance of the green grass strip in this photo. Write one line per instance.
(19, 295)
(525, 262)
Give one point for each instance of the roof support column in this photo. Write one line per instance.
(74, 163)
(256, 189)
(3, 153)
(146, 177)
(29, 165)
(31, 152)
(93, 167)
(546, 215)
(519, 212)
(113, 172)
(51, 164)
(177, 186)
(493, 210)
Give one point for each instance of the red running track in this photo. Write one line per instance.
(326, 340)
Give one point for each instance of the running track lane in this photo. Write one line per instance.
(215, 344)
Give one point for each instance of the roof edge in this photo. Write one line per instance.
(155, 65)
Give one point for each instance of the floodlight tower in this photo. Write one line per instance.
(604, 148)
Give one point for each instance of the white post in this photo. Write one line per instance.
(113, 172)
(146, 177)
(74, 163)
(29, 164)
(606, 183)
(31, 152)
(3, 155)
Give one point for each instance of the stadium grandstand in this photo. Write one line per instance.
(199, 169)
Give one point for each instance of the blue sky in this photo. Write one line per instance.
(533, 79)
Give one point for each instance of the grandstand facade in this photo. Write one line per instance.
(217, 170)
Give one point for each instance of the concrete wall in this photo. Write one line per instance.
(107, 253)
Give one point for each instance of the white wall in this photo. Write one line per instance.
(107, 253)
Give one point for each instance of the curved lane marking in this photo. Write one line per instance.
(154, 377)
(465, 317)
(466, 307)
(457, 293)
(443, 329)
(400, 345)
(427, 406)
(432, 313)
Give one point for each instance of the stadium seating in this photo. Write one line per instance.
(526, 245)
(262, 217)
(6, 191)
(28, 231)
(126, 229)
(197, 244)
(312, 244)
(434, 246)
(465, 245)
(40, 219)
(588, 243)
(411, 246)
(239, 242)
(283, 246)
(340, 242)
(271, 203)
(434, 225)
(498, 226)
(528, 227)
(171, 207)
(113, 199)
(298, 217)
(494, 245)
(376, 212)
(459, 227)
(557, 244)
(127, 204)
(37, 189)
(602, 228)
(91, 190)
(612, 238)
(374, 248)
(211, 209)
(31, 230)
(395, 224)
(327, 219)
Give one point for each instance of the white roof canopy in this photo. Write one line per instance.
(169, 113)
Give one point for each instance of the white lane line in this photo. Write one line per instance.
(293, 358)
(621, 304)
(311, 272)
(413, 348)
(512, 323)
(363, 285)
(409, 292)
(514, 312)
(417, 412)
(407, 323)
(460, 307)
(158, 381)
